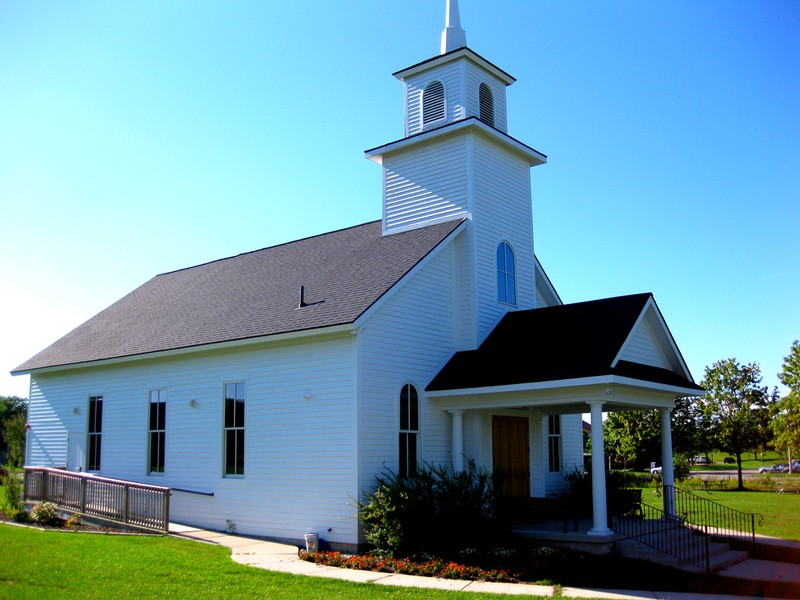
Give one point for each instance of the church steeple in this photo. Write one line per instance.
(453, 37)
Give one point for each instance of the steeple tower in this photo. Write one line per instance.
(453, 37)
(457, 161)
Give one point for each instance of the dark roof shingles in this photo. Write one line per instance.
(250, 295)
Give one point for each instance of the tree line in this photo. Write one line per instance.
(13, 420)
(737, 415)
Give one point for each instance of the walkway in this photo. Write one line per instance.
(273, 556)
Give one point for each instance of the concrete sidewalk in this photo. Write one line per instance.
(273, 556)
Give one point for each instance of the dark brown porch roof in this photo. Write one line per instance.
(571, 341)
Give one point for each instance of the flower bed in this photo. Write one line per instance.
(405, 566)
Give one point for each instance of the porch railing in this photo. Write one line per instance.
(686, 535)
(125, 502)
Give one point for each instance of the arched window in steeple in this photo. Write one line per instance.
(486, 104)
(506, 274)
(433, 108)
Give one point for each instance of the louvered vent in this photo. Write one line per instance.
(486, 100)
(433, 102)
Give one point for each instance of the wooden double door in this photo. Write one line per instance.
(511, 456)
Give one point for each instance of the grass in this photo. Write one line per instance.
(779, 512)
(52, 564)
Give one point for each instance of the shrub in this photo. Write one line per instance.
(45, 513)
(74, 522)
(436, 512)
(12, 503)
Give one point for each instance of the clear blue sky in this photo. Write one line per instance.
(141, 137)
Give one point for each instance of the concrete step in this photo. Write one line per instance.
(721, 556)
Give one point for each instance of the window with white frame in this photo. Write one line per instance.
(554, 443)
(433, 105)
(486, 104)
(157, 431)
(409, 430)
(95, 435)
(506, 274)
(233, 441)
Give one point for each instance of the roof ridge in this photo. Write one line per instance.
(224, 258)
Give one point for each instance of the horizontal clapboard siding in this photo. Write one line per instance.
(475, 77)
(503, 212)
(299, 454)
(426, 185)
(406, 341)
(450, 76)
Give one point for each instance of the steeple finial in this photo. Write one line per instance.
(453, 36)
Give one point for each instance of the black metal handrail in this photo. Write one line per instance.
(666, 533)
(685, 531)
(717, 520)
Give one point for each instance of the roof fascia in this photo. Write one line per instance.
(472, 124)
(363, 317)
(651, 305)
(463, 52)
(279, 337)
(547, 283)
(563, 384)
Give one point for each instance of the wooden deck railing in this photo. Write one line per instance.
(113, 499)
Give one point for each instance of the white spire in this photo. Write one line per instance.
(453, 36)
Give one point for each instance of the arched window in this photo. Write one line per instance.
(486, 102)
(409, 430)
(433, 102)
(506, 274)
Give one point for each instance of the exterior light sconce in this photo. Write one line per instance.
(608, 390)
(193, 403)
(76, 411)
(307, 395)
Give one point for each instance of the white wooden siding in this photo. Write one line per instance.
(451, 77)
(426, 185)
(502, 211)
(406, 341)
(476, 76)
(299, 454)
(642, 348)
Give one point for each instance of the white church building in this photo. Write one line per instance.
(269, 389)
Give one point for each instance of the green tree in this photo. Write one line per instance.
(13, 415)
(786, 412)
(633, 437)
(686, 427)
(732, 405)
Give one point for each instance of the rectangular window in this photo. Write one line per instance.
(234, 428)
(157, 430)
(554, 443)
(95, 432)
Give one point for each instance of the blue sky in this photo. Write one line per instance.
(141, 137)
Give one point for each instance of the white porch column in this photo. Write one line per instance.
(458, 440)
(667, 466)
(599, 507)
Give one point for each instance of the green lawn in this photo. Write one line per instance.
(52, 564)
(780, 512)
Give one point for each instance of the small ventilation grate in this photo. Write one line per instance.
(486, 100)
(433, 102)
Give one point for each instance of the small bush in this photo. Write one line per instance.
(12, 502)
(74, 522)
(45, 513)
(436, 512)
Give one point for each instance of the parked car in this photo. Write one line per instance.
(700, 460)
(655, 471)
(778, 468)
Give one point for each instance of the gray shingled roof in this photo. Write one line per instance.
(250, 295)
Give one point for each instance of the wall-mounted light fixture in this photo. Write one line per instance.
(193, 403)
(307, 395)
(76, 411)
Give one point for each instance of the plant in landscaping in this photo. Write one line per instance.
(435, 512)
(45, 513)
(11, 504)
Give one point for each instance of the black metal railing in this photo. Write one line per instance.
(113, 499)
(717, 520)
(684, 530)
(666, 533)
